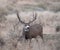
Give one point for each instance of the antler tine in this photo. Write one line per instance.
(19, 18)
(34, 17)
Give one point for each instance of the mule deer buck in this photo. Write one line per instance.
(31, 31)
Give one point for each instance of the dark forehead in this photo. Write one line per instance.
(26, 23)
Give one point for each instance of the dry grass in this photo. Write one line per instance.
(48, 19)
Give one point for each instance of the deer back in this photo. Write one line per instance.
(36, 30)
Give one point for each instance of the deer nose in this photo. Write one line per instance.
(27, 29)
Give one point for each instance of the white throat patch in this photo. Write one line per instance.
(27, 26)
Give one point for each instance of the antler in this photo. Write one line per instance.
(19, 18)
(34, 18)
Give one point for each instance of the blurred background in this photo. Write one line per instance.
(48, 14)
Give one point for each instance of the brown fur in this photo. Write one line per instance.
(35, 30)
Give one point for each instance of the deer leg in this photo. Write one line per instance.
(30, 43)
(43, 42)
(41, 35)
(38, 43)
